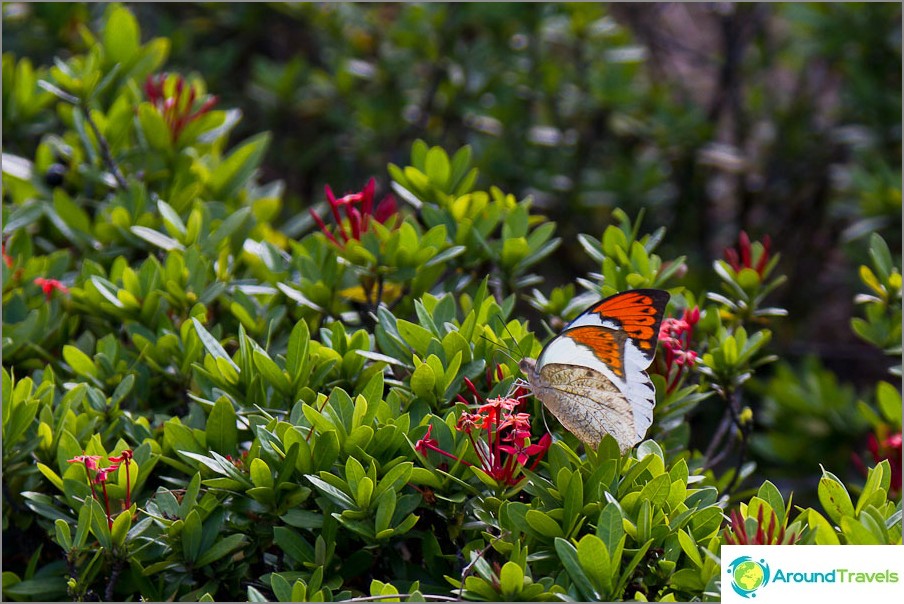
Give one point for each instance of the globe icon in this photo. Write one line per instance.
(749, 575)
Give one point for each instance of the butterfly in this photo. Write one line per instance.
(592, 375)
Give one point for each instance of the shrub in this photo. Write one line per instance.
(197, 406)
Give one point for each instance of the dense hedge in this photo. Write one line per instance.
(199, 405)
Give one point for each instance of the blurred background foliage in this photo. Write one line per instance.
(777, 119)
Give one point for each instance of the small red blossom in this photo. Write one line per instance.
(90, 461)
(523, 450)
(427, 443)
(7, 259)
(124, 456)
(101, 475)
(359, 211)
(745, 256)
(48, 286)
(176, 101)
(771, 534)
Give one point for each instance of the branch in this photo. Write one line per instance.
(467, 570)
(105, 150)
(114, 577)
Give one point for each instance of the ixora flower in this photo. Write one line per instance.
(771, 534)
(500, 439)
(359, 211)
(675, 337)
(175, 100)
(748, 256)
(102, 475)
(48, 286)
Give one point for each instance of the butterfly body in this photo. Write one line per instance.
(592, 376)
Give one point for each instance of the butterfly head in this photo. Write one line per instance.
(529, 368)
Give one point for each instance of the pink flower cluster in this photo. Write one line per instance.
(675, 336)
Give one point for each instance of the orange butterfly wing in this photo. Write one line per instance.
(638, 313)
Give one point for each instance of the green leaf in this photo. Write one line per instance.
(834, 498)
(543, 524)
(335, 495)
(261, 476)
(63, 534)
(689, 547)
(657, 490)
(771, 495)
(171, 218)
(297, 351)
(423, 381)
(293, 544)
(857, 534)
(234, 171)
(191, 536)
(511, 579)
(221, 431)
(154, 127)
(212, 345)
(889, 402)
(568, 555)
(594, 559)
(385, 510)
(610, 527)
(122, 37)
(157, 238)
(121, 526)
(80, 362)
(224, 546)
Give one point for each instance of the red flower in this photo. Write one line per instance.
(175, 101)
(501, 439)
(764, 535)
(90, 461)
(426, 443)
(743, 257)
(124, 456)
(675, 336)
(7, 259)
(49, 285)
(523, 450)
(429, 444)
(359, 211)
(100, 476)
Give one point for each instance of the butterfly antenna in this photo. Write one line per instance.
(514, 339)
(501, 348)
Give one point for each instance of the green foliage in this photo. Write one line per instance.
(284, 404)
(882, 305)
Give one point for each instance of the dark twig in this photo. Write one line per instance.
(114, 577)
(105, 150)
(467, 570)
